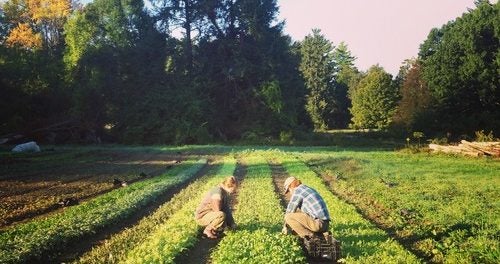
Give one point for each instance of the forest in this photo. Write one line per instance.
(202, 71)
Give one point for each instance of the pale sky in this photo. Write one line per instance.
(376, 31)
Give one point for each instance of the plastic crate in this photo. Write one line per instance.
(323, 246)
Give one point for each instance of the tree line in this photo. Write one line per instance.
(197, 71)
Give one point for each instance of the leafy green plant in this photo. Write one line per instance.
(483, 137)
(180, 231)
(431, 203)
(362, 241)
(259, 217)
(30, 241)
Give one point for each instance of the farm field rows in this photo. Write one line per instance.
(386, 207)
(33, 240)
(35, 192)
(445, 208)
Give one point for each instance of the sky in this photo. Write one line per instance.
(376, 31)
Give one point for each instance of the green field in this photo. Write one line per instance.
(387, 206)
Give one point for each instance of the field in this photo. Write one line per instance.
(387, 206)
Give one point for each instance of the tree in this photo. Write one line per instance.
(36, 22)
(346, 76)
(112, 60)
(415, 97)
(317, 66)
(374, 100)
(460, 63)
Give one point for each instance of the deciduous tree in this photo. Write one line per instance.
(374, 100)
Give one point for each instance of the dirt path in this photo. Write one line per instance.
(76, 249)
(279, 175)
(200, 252)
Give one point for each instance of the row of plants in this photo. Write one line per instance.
(445, 207)
(35, 239)
(169, 237)
(259, 217)
(22, 198)
(362, 241)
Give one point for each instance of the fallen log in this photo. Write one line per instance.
(487, 149)
(454, 150)
(475, 149)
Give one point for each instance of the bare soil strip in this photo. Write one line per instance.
(348, 198)
(200, 252)
(24, 200)
(279, 175)
(76, 249)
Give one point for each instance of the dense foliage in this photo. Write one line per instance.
(461, 65)
(192, 71)
(374, 100)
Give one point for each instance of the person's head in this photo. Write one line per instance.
(291, 183)
(229, 184)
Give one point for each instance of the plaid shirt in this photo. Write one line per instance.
(308, 201)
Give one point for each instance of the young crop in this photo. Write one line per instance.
(30, 241)
(259, 217)
(180, 231)
(441, 205)
(362, 242)
(113, 249)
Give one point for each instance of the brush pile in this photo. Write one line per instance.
(475, 149)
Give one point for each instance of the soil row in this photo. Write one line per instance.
(29, 197)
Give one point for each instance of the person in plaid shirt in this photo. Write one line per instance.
(306, 212)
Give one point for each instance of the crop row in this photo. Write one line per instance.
(27, 195)
(179, 232)
(259, 217)
(444, 207)
(362, 242)
(32, 240)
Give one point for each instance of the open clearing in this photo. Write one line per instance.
(386, 206)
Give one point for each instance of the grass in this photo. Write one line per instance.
(445, 207)
(362, 241)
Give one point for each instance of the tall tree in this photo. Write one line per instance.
(460, 63)
(374, 100)
(108, 63)
(317, 67)
(346, 76)
(415, 97)
(36, 22)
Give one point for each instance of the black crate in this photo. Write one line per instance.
(323, 246)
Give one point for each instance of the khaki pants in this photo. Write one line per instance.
(213, 220)
(304, 225)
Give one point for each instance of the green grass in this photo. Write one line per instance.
(362, 241)
(446, 207)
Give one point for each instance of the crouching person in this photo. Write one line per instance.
(214, 212)
(306, 213)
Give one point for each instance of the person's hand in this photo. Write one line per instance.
(284, 230)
